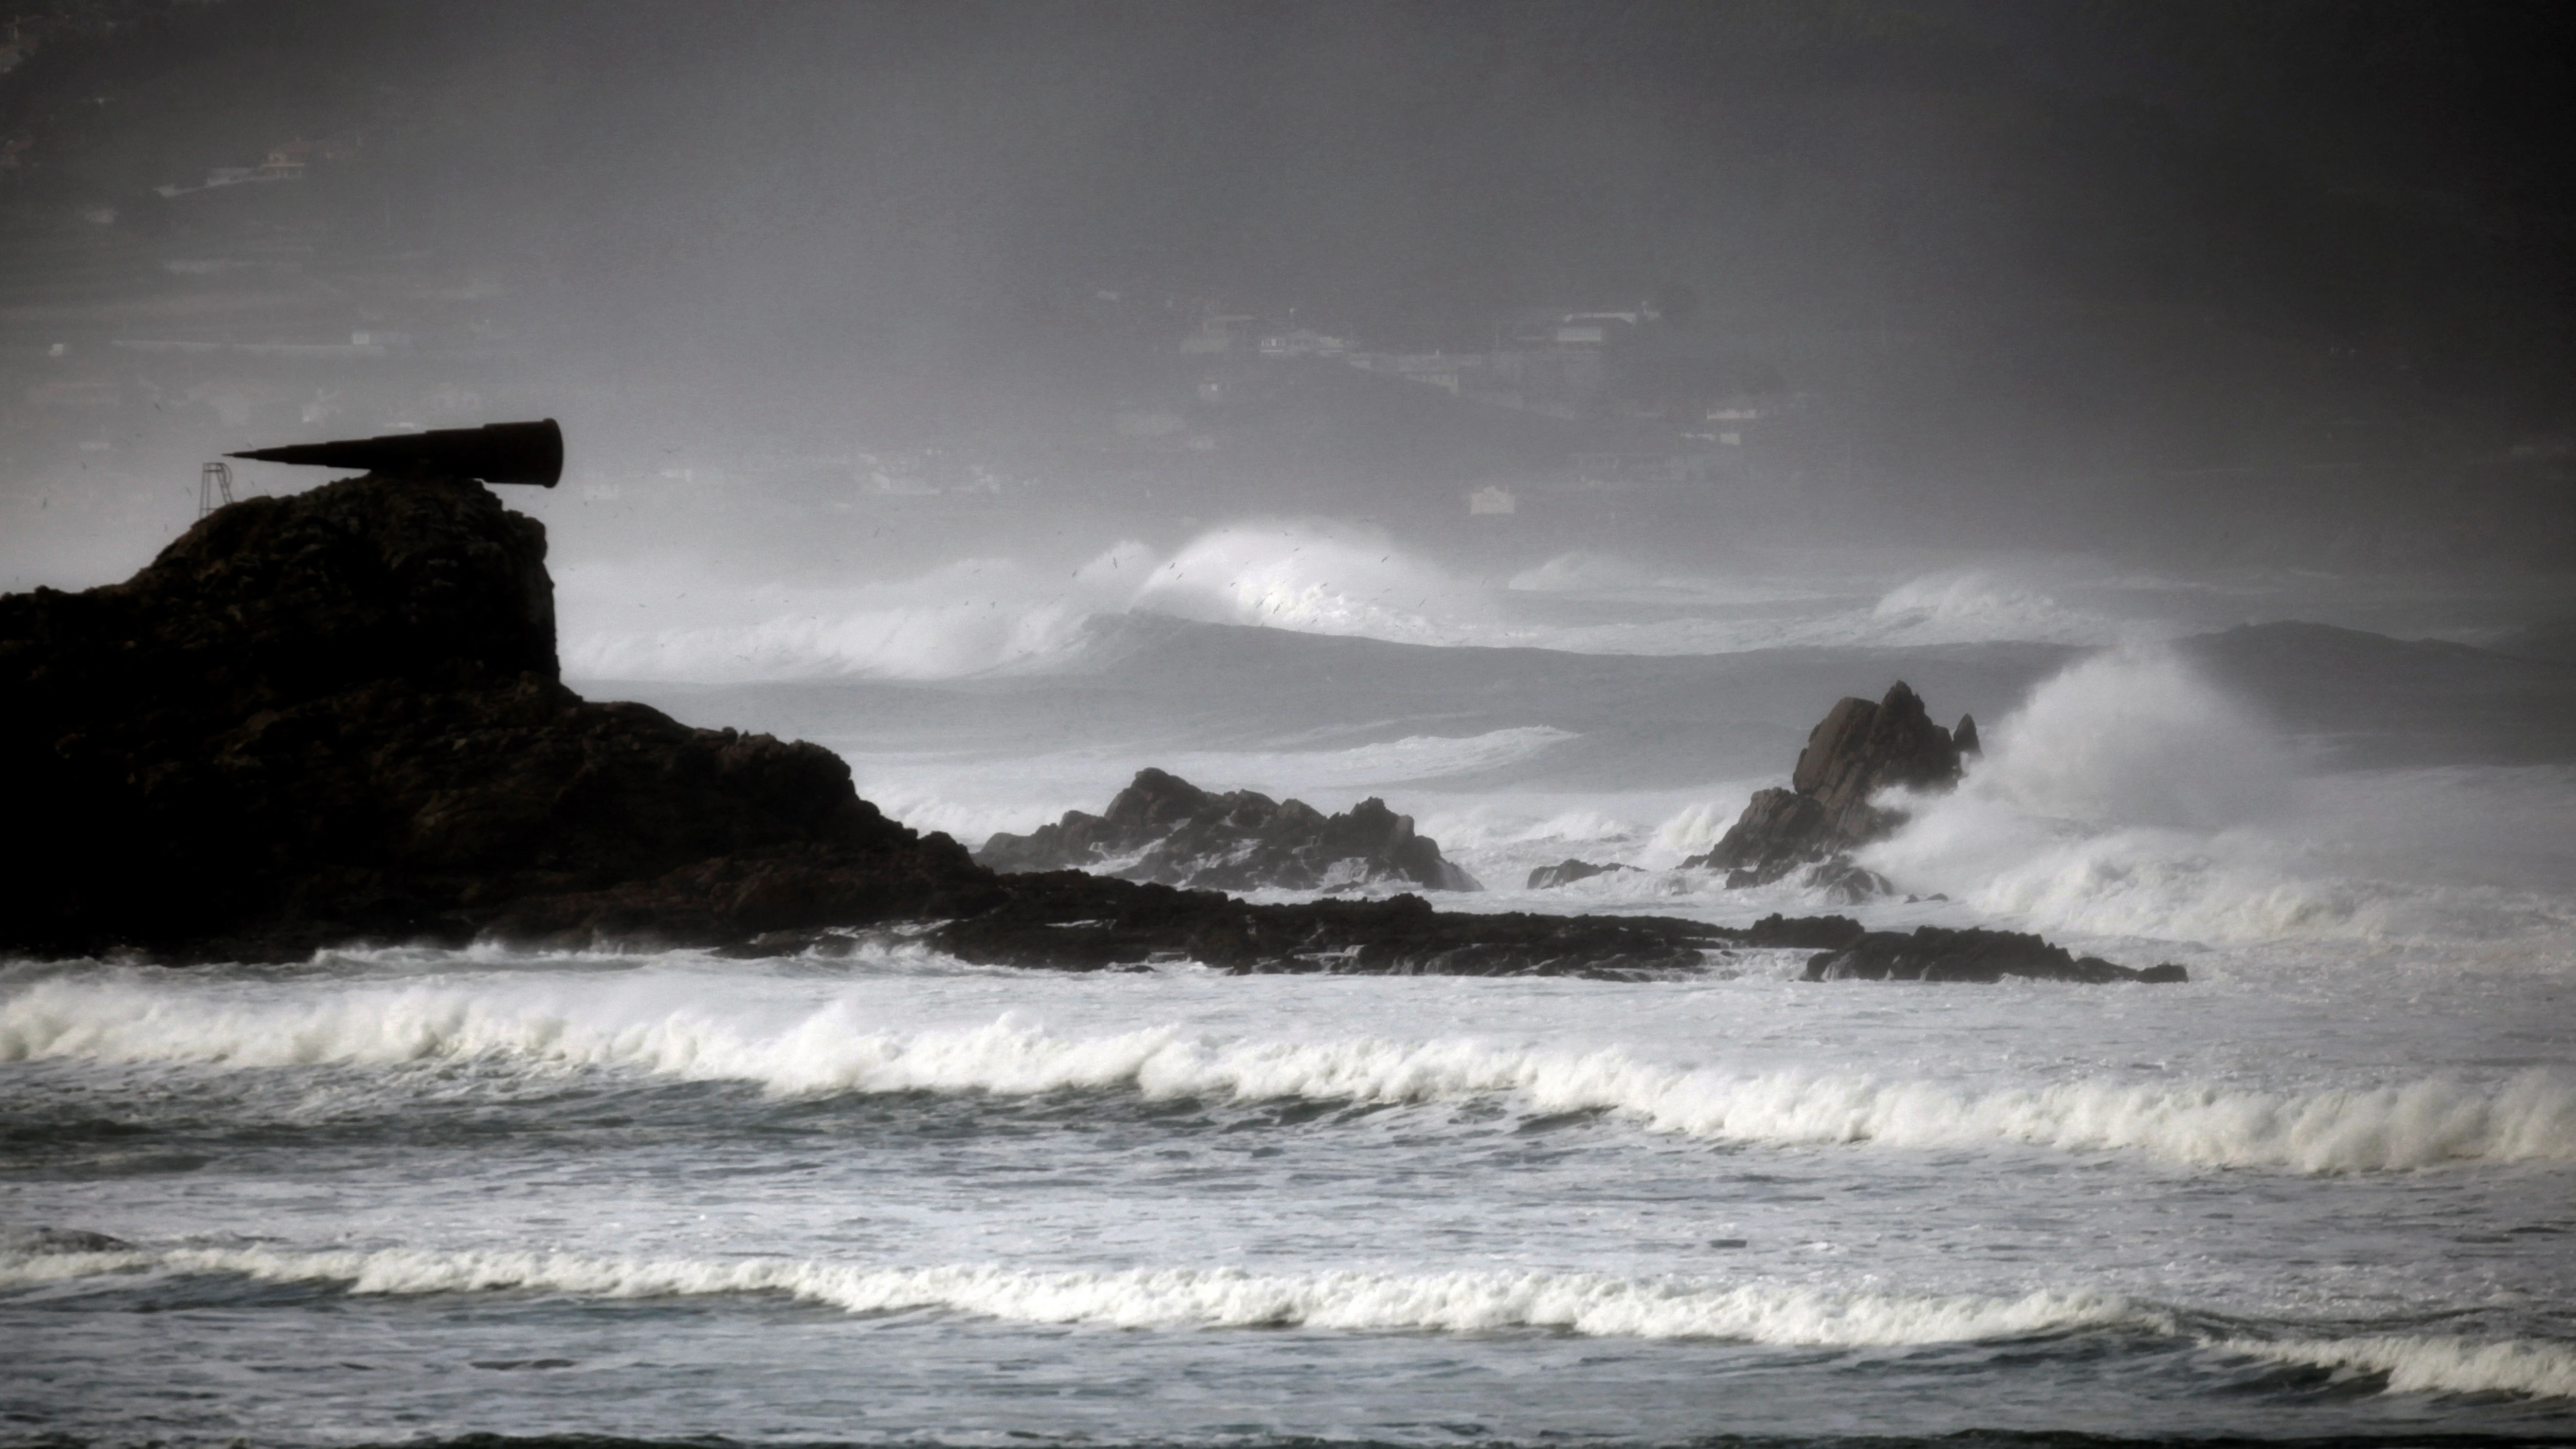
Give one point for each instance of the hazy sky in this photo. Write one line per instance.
(2153, 275)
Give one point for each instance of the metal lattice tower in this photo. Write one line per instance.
(214, 487)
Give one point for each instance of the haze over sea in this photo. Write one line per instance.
(2322, 1191)
(1536, 415)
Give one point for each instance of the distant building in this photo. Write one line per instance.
(1303, 342)
(1218, 333)
(1492, 500)
(285, 163)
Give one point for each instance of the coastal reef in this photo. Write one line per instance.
(335, 719)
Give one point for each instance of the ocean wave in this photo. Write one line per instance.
(1462, 1302)
(2417, 1364)
(2130, 796)
(1589, 1304)
(1307, 575)
(2530, 1117)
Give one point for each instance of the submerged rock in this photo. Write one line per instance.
(60, 1240)
(1567, 872)
(1935, 953)
(1856, 751)
(1164, 830)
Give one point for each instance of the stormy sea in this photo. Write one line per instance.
(2324, 1192)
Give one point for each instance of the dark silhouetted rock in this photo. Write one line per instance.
(1567, 872)
(1965, 736)
(1802, 933)
(1856, 751)
(61, 1240)
(1935, 953)
(335, 716)
(1164, 830)
(1069, 919)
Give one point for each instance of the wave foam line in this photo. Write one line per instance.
(1465, 1302)
(2418, 1365)
(2531, 1117)
(1592, 1305)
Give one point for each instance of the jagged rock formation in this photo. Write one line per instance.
(1933, 953)
(336, 716)
(1857, 750)
(1164, 830)
(1567, 872)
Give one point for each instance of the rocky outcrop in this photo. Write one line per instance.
(1933, 953)
(1567, 872)
(1164, 830)
(1856, 751)
(335, 716)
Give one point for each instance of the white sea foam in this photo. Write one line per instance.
(1590, 1304)
(2131, 797)
(1464, 1302)
(1314, 576)
(830, 1049)
(1976, 605)
(2428, 1365)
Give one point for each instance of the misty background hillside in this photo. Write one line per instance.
(865, 289)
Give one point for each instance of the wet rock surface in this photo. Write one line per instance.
(1935, 953)
(1567, 872)
(1164, 830)
(1859, 749)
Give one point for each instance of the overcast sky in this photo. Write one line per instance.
(2019, 274)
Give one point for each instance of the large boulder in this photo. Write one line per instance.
(1165, 830)
(1858, 750)
(1568, 871)
(336, 715)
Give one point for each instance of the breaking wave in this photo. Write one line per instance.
(2129, 796)
(2425, 1365)
(1593, 1305)
(1313, 576)
(830, 1049)
(1465, 1302)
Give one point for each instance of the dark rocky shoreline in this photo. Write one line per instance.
(336, 718)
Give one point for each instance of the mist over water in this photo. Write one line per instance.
(1535, 417)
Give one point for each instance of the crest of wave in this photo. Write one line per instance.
(1591, 1304)
(960, 618)
(1465, 1302)
(974, 615)
(1317, 578)
(1975, 605)
(676, 1028)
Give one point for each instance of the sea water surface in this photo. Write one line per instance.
(2324, 1192)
